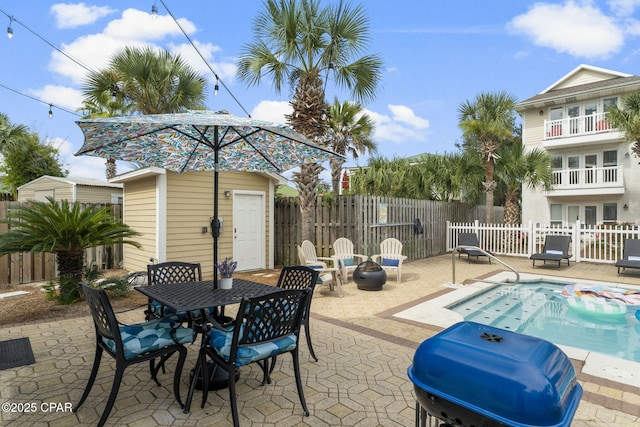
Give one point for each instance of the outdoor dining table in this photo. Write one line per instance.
(197, 296)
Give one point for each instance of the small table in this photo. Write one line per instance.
(192, 296)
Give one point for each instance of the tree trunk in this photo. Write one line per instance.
(336, 177)
(489, 185)
(511, 208)
(70, 265)
(307, 184)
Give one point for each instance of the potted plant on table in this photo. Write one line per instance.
(226, 269)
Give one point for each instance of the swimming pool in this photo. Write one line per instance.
(537, 308)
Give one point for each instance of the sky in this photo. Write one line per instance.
(436, 55)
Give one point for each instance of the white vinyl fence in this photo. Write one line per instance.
(602, 243)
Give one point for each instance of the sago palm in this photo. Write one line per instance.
(488, 119)
(297, 43)
(66, 230)
(349, 131)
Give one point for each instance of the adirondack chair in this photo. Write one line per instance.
(390, 256)
(348, 261)
(329, 276)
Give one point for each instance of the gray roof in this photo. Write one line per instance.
(91, 182)
(571, 94)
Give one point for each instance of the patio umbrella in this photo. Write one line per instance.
(200, 141)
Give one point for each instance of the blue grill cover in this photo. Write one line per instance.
(514, 379)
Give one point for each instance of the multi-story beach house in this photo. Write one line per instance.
(596, 175)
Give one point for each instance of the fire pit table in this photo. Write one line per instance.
(476, 375)
(369, 276)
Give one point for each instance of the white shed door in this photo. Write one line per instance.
(249, 230)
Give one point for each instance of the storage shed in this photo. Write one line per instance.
(173, 212)
(83, 190)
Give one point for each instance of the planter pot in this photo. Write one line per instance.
(226, 282)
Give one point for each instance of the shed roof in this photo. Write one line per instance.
(90, 182)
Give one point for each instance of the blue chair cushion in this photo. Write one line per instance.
(347, 262)
(149, 336)
(221, 341)
(386, 262)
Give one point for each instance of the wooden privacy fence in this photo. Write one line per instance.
(595, 243)
(30, 267)
(367, 221)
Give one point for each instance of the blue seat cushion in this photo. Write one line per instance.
(347, 262)
(387, 262)
(149, 336)
(221, 341)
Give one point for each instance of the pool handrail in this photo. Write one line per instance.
(453, 264)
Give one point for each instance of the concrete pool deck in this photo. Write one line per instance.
(360, 379)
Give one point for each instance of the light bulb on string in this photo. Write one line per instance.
(154, 11)
(216, 87)
(10, 28)
(51, 111)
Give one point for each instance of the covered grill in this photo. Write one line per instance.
(477, 375)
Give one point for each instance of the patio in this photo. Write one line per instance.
(360, 378)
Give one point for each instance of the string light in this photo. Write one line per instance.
(154, 11)
(203, 58)
(50, 111)
(216, 87)
(10, 29)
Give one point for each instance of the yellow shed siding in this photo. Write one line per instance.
(190, 208)
(90, 194)
(140, 214)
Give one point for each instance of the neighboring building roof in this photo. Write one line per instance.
(286, 191)
(564, 95)
(90, 182)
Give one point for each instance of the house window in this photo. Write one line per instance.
(590, 215)
(610, 213)
(609, 102)
(589, 121)
(556, 166)
(555, 211)
(609, 162)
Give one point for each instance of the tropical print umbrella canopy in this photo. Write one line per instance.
(198, 140)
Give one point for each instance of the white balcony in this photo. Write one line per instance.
(577, 126)
(588, 181)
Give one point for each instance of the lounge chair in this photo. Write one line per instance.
(470, 239)
(556, 248)
(630, 255)
(390, 256)
(311, 256)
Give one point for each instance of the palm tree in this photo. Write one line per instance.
(295, 42)
(350, 130)
(488, 119)
(145, 81)
(516, 168)
(65, 230)
(627, 119)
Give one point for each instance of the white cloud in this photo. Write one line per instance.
(580, 30)
(60, 96)
(272, 111)
(136, 28)
(69, 15)
(403, 126)
(623, 7)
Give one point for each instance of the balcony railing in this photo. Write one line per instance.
(576, 126)
(588, 178)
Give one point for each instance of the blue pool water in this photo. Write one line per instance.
(538, 309)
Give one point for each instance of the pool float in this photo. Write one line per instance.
(626, 296)
(602, 308)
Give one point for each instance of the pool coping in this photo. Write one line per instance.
(591, 367)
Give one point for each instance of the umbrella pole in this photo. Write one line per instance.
(215, 221)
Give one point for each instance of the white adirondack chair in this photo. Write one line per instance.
(329, 276)
(390, 257)
(347, 260)
(310, 254)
